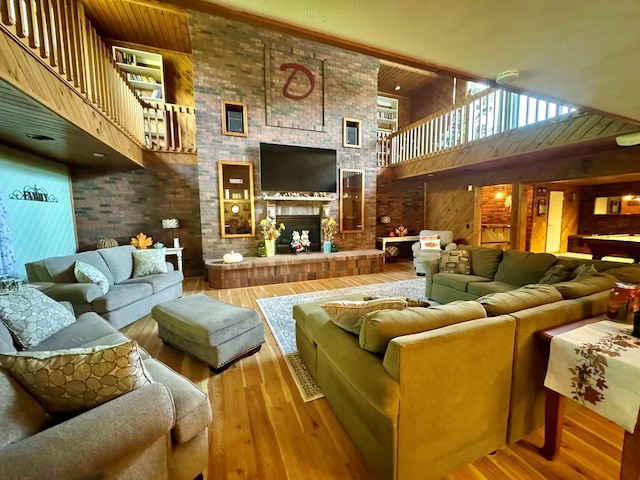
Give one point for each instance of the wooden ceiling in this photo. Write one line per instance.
(149, 23)
(22, 118)
(410, 80)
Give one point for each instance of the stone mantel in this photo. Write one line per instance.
(277, 203)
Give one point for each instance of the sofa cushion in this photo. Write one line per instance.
(557, 273)
(582, 271)
(348, 314)
(457, 281)
(158, 282)
(22, 416)
(149, 262)
(120, 296)
(524, 297)
(480, 289)
(88, 330)
(85, 273)
(60, 269)
(120, 261)
(74, 380)
(581, 287)
(31, 316)
(521, 268)
(379, 327)
(626, 274)
(484, 260)
(455, 261)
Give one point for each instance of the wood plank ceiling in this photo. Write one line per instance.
(410, 80)
(149, 23)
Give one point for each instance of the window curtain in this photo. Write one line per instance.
(8, 265)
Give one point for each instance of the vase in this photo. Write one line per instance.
(326, 247)
(270, 247)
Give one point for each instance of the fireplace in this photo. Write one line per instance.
(298, 223)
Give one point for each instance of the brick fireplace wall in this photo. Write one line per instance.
(232, 62)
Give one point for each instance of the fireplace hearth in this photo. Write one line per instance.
(298, 223)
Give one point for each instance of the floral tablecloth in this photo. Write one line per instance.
(598, 365)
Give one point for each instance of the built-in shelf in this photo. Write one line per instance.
(387, 114)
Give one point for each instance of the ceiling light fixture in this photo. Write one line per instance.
(507, 77)
(98, 154)
(397, 87)
(628, 140)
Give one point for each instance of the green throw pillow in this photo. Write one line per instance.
(348, 314)
(149, 262)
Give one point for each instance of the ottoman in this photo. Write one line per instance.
(215, 332)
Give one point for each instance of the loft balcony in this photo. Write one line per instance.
(494, 125)
(62, 96)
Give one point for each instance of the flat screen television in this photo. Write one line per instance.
(288, 168)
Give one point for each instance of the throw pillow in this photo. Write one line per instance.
(10, 284)
(149, 262)
(348, 314)
(583, 271)
(587, 285)
(31, 316)
(77, 379)
(86, 273)
(557, 273)
(429, 241)
(455, 261)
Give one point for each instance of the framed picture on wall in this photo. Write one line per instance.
(541, 192)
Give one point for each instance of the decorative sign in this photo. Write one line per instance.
(294, 83)
(236, 180)
(33, 194)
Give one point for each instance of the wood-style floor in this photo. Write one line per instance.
(263, 430)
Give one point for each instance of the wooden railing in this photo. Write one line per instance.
(59, 35)
(478, 116)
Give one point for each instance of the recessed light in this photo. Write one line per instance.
(98, 154)
(40, 138)
(397, 87)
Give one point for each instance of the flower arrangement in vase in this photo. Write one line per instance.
(328, 225)
(270, 232)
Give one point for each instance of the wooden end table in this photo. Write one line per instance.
(554, 414)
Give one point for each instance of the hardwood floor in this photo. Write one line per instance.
(263, 430)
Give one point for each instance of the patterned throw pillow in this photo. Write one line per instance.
(86, 273)
(455, 261)
(429, 241)
(78, 379)
(348, 314)
(31, 316)
(149, 262)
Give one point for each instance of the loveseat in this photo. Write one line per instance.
(129, 293)
(422, 391)
(424, 250)
(156, 431)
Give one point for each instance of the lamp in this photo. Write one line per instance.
(171, 224)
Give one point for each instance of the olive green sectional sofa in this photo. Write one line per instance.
(422, 391)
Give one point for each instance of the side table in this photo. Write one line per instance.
(554, 414)
(177, 251)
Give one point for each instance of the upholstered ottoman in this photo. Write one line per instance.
(214, 332)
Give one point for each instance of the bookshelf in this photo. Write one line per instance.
(387, 114)
(143, 71)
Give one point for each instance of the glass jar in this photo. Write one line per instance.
(623, 302)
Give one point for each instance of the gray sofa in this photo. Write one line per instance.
(158, 431)
(127, 299)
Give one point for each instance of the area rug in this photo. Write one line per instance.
(278, 313)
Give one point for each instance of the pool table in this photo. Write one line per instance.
(617, 245)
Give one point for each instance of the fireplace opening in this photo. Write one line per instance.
(298, 223)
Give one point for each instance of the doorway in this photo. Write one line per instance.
(554, 221)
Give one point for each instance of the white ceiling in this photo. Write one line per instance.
(583, 52)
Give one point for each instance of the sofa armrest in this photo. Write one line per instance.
(472, 363)
(87, 444)
(431, 266)
(76, 293)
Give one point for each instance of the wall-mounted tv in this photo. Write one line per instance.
(288, 168)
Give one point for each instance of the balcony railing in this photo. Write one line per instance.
(59, 35)
(478, 116)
